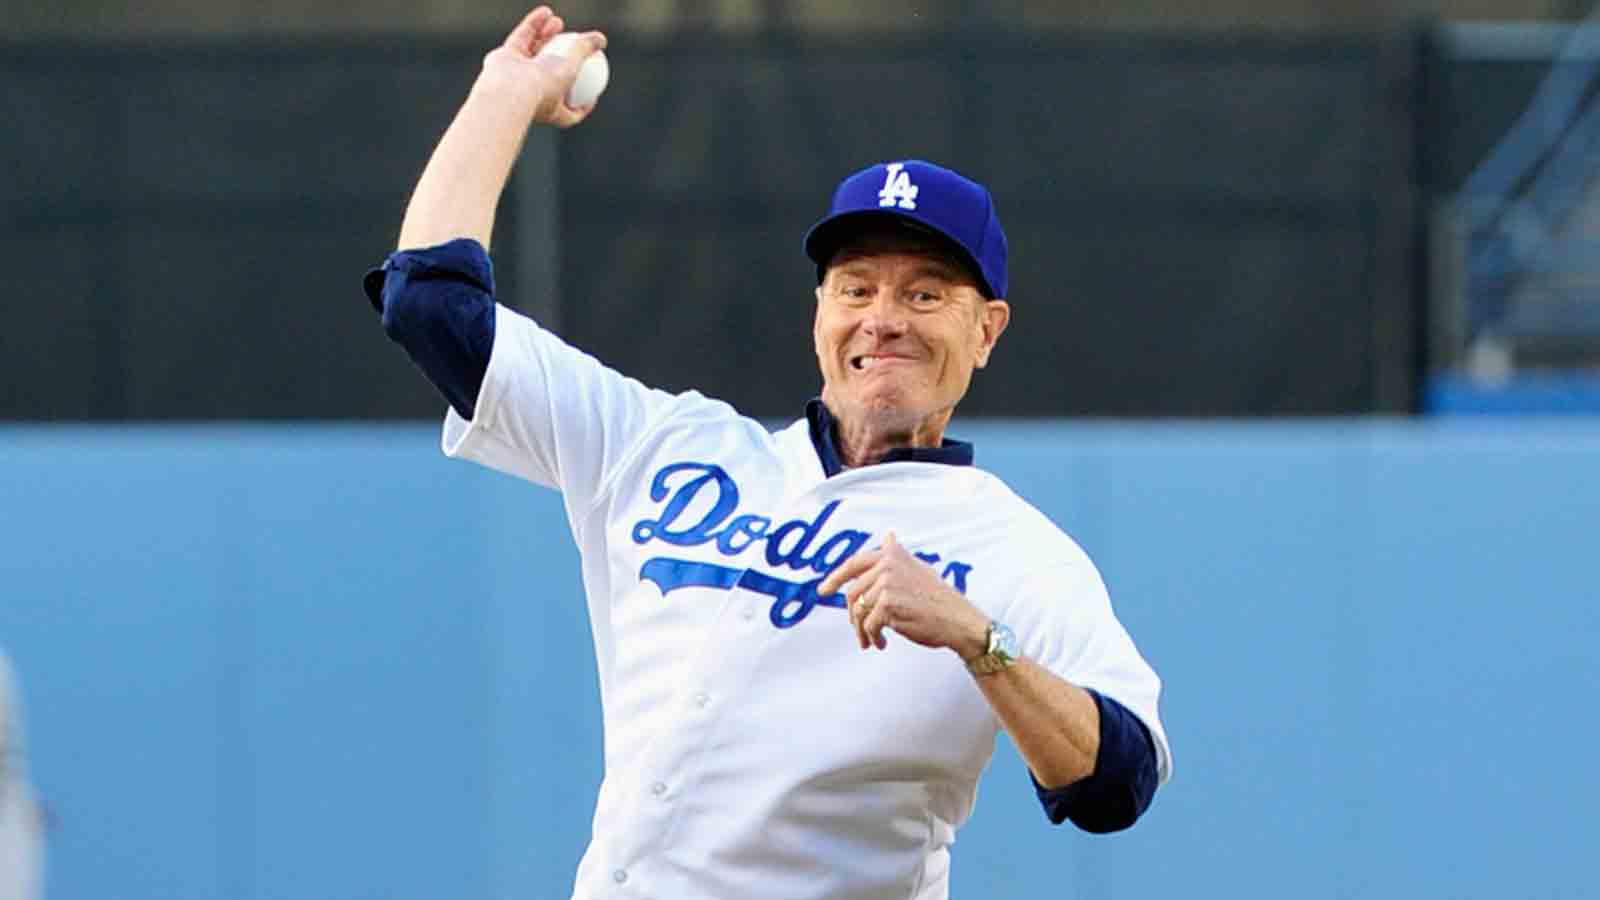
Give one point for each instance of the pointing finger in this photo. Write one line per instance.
(850, 568)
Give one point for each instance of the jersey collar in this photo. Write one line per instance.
(823, 437)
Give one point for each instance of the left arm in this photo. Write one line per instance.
(1055, 724)
(1091, 759)
(1078, 756)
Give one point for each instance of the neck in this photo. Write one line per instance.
(864, 440)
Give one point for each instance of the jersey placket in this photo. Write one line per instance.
(726, 664)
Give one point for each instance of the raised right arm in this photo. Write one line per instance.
(436, 292)
(521, 400)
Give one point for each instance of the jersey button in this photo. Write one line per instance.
(701, 700)
(749, 612)
(619, 876)
(659, 789)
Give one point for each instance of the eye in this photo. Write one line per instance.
(853, 291)
(925, 298)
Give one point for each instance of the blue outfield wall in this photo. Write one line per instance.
(289, 662)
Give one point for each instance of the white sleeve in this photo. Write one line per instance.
(552, 414)
(1064, 622)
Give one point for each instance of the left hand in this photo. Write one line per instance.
(890, 588)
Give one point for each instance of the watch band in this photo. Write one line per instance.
(1001, 653)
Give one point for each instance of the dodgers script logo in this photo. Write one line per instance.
(797, 545)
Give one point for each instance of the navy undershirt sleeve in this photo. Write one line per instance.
(1124, 778)
(438, 303)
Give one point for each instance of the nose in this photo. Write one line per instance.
(885, 318)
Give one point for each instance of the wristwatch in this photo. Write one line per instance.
(1001, 654)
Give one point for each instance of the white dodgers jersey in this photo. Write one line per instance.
(751, 748)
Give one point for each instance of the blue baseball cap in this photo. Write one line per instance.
(927, 198)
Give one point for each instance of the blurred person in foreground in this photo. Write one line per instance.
(735, 575)
(21, 821)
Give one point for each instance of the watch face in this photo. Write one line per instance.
(1000, 654)
(1005, 642)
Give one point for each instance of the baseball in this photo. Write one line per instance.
(592, 76)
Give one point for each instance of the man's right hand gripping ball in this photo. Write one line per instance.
(517, 72)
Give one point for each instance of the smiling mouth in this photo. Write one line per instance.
(867, 361)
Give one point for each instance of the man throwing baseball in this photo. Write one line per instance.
(808, 639)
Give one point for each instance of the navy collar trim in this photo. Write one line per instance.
(825, 439)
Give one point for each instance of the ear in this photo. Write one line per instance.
(994, 317)
(816, 324)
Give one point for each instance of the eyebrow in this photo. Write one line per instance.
(939, 270)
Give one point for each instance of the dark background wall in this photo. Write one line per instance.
(185, 223)
(103, 17)
(1211, 223)
(1194, 220)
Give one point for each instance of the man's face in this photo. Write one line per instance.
(900, 326)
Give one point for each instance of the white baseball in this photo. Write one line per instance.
(592, 75)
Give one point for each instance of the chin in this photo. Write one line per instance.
(892, 410)
(886, 405)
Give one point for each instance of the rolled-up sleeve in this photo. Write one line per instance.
(1124, 780)
(1063, 616)
(438, 303)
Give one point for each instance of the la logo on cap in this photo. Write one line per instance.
(897, 188)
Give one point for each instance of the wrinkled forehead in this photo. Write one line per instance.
(877, 242)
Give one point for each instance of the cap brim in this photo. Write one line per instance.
(827, 236)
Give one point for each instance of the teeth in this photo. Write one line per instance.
(865, 362)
